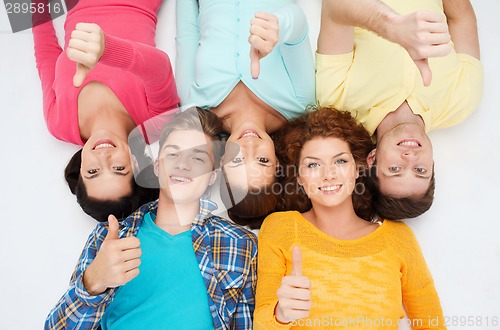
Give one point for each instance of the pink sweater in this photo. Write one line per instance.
(137, 72)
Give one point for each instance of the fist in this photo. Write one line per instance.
(85, 47)
(264, 35)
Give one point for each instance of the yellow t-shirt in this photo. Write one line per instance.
(378, 76)
(355, 284)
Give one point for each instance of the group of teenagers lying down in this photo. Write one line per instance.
(323, 155)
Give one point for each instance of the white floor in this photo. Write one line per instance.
(43, 229)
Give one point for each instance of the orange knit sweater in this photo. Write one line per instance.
(356, 284)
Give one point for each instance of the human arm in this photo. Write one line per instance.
(77, 308)
(280, 299)
(423, 34)
(89, 45)
(47, 51)
(187, 41)
(420, 298)
(286, 26)
(243, 315)
(84, 303)
(462, 25)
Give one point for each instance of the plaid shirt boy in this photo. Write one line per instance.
(227, 258)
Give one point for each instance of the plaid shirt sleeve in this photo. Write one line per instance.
(243, 316)
(77, 309)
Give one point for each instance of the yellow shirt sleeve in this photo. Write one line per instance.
(273, 236)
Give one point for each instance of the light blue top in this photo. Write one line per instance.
(168, 293)
(213, 54)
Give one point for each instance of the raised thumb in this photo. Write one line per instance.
(254, 63)
(296, 261)
(113, 228)
(80, 74)
(425, 70)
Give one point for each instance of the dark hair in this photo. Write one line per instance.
(391, 208)
(322, 122)
(253, 208)
(101, 209)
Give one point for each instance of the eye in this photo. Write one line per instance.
(263, 160)
(237, 160)
(420, 170)
(394, 169)
(92, 171)
(199, 159)
(119, 168)
(340, 161)
(312, 165)
(172, 155)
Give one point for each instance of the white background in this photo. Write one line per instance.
(43, 229)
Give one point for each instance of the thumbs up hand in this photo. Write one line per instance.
(116, 263)
(264, 35)
(294, 294)
(85, 47)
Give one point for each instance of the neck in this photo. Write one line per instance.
(173, 217)
(402, 115)
(339, 221)
(115, 121)
(245, 118)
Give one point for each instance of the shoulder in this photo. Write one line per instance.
(398, 227)
(139, 214)
(399, 235)
(279, 223)
(228, 229)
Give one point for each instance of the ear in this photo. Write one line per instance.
(135, 163)
(213, 177)
(370, 159)
(157, 168)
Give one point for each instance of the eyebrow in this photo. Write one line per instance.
(243, 163)
(337, 155)
(93, 176)
(400, 175)
(176, 147)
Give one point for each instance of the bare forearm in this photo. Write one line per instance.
(373, 15)
(462, 25)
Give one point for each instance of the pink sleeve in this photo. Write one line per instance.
(148, 63)
(47, 50)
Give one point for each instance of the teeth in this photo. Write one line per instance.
(104, 145)
(180, 178)
(250, 134)
(330, 188)
(409, 143)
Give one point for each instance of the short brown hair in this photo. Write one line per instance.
(392, 208)
(191, 118)
(323, 122)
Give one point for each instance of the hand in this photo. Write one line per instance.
(423, 34)
(116, 263)
(85, 47)
(294, 294)
(264, 35)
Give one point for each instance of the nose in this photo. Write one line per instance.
(183, 162)
(329, 173)
(409, 155)
(247, 148)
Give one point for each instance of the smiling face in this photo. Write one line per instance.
(255, 163)
(106, 168)
(185, 166)
(327, 171)
(404, 162)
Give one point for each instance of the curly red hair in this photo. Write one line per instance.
(322, 122)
